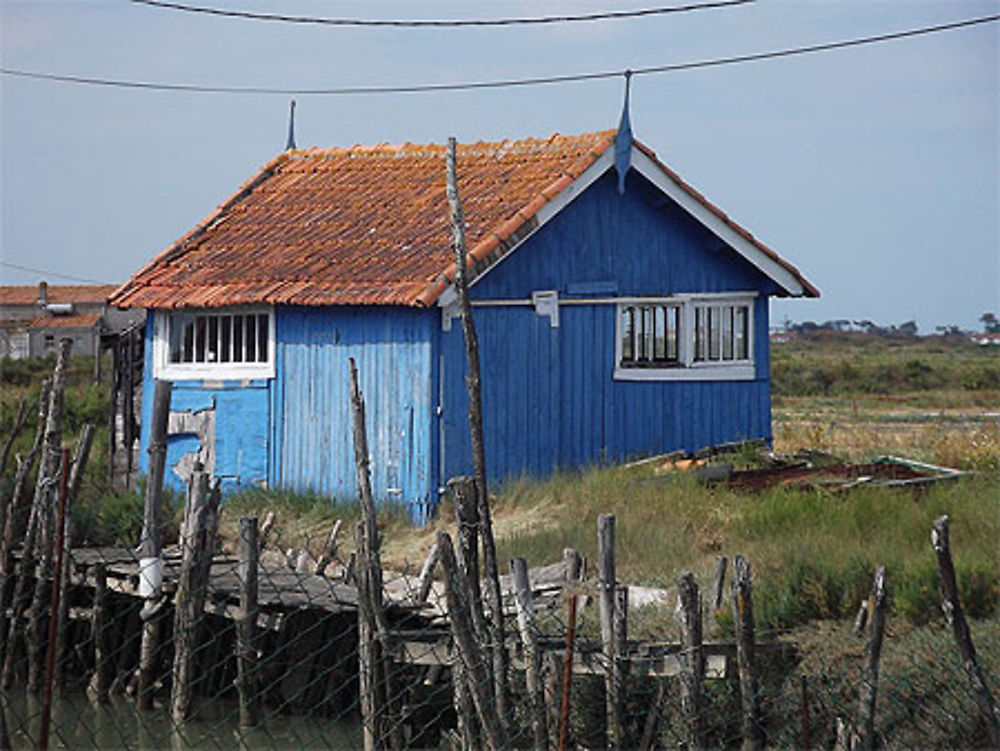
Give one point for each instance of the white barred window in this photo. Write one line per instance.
(215, 343)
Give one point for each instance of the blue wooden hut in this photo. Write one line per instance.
(619, 314)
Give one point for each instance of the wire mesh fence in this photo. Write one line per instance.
(305, 670)
(233, 642)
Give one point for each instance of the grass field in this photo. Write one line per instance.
(934, 400)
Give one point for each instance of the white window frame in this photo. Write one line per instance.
(163, 368)
(687, 368)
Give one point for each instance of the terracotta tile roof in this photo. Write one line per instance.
(27, 294)
(84, 321)
(354, 226)
(365, 225)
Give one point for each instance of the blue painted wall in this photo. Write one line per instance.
(549, 397)
(241, 420)
(312, 444)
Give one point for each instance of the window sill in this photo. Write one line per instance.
(214, 373)
(740, 372)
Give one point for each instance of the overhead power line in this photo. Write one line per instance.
(443, 23)
(46, 272)
(502, 83)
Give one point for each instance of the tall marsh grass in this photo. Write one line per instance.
(813, 553)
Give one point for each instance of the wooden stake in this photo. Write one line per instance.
(246, 624)
(371, 714)
(50, 652)
(606, 594)
(369, 575)
(693, 662)
(873, 654)
(23, 411)
(718, 586)
(13, 523)
(463, 490)
(426, 578)
(79, 465)
(573, 566)
(745, 647)
(197, 548)
(473, 382)
(952, 607)
(100, 630)
(532, 659)
(473, 664)
(329, 552)
(150, 563)
(43, 508)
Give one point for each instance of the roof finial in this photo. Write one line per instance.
(291, 127)
(623, 139)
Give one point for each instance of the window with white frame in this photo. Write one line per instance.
(215, 343)
(685, 337)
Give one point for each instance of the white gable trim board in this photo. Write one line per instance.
(652, 171)
(711, 221)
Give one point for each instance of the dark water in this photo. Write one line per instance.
(78, 723)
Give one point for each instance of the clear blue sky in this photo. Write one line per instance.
(873, 169)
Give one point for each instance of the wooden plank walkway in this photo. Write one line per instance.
(281, 590)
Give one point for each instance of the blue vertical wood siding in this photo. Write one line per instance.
(549, 396)
(312, 444)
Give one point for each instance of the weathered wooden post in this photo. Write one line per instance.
(329, 552)
(201, 522)
(100, 682)
(532, 659)
(606, 595)
(745, 648)
(573, 566)
(952, 607)
(719, 583)
(463, 490)
(494, 602)
(13, 522)
(79, 465)
(246, 624)
(873, 654)
(368, 684)
(23, 412)
(150, 562)
(50, 651)
(693, 661)
(369, 576)
(426, 578)
(43, 509)
(473, 664)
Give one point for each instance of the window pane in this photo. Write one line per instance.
(237, 338)
(660, 332)
(727, 332)
(714, 333)
(262, 337)
(225, 338)
(212, 354)
(178, 328)
(699, 333)
(628, 332)
(673, 320)
(251, 341)
(199, 339)
(740, 332)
